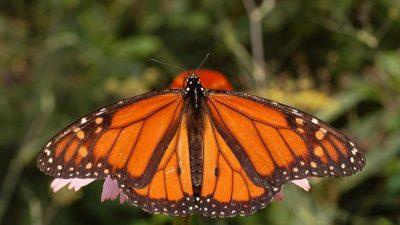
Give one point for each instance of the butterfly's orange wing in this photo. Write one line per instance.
(227, 190)
(275, 143)
(170, 190)
(126, 140)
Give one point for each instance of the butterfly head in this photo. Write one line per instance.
(193, 84)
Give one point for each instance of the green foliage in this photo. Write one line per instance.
(337, 59)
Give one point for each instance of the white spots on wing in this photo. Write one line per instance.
(323, 130)
(351, 159)
(99, 165)
(299, 121)
(352, 144)
(98, 120)
(295, 169)
(106, 171)
(314, 120)
(120, 102)
(83, 120)
(50, 160)
(88, 166)
(48, 144)
(296, 112)
(80, 134)
(313, 164)
(59, 167)
(101, 111)
(98, 130)
(187, 89)
(343, 166)
(319, 135)
(47, 152)
(274, 103)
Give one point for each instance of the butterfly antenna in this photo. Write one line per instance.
(167, 64)
(202, 62)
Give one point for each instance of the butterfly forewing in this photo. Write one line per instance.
(111, 141)
(276, 143)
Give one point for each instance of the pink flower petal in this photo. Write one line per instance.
(122, 198)
(74, 183)
(303, 183)
(110, 187)
(279, 196)
(58, 183)
(111, 191)
(77, 183)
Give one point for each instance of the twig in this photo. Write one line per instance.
(256, 14)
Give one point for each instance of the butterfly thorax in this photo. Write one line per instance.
(195, 93)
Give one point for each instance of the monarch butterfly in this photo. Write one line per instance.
(180, 151)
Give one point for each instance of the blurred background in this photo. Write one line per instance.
(339, 60)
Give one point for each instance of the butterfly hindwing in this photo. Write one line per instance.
(170, 190)
(111, 141)
(276, 143)
(226, 189)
